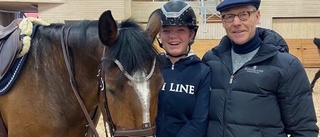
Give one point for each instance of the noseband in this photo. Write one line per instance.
(147, 129)
(136, 79)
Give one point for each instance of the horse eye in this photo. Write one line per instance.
(155, 73)
(108, 89)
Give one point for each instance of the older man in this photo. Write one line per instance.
(258, 90)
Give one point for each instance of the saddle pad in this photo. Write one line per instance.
(10, 77)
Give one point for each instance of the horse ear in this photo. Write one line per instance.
(108, 28)
(154, 24)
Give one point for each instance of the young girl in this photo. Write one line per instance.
(184, 97)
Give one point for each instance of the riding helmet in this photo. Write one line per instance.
(177, 12)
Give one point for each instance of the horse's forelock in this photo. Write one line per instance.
(130, 23)
(133, 48)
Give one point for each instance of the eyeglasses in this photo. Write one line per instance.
(243, 16)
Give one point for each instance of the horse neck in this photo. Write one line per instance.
(47, 59)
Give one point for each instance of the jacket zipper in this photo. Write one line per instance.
(164, 105)
(231, 79)
(226, 96)
(225, 107)
(225, 102)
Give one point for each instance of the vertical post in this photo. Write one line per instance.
(203, 11)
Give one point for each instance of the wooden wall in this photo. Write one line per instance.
(82, 9)
(305, 51)
(295, 20)
(290, 8)
(297, 28)
(200, 46)
(276, 14)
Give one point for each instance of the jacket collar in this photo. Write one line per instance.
(223, 50)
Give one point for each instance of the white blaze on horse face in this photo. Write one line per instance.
(143, 91)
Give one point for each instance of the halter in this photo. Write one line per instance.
(146, 130)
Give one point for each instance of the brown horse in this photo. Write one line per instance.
(43, 103)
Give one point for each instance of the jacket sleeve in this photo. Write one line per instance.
(296, 104)
(196, 126)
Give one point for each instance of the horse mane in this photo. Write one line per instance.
(84, 31)
(133, 48)
(52, 33)
(46, 43)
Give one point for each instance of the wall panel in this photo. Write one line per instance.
(81, 9)
(35, 1)
(290, 8)
(297, 28)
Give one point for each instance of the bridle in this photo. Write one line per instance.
(147, 129)
(69, 64)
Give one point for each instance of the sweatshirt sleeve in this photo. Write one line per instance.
(296, 104)
(196, 126)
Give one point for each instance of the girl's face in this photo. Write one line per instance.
(175, 39)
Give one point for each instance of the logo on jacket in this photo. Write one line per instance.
(189, 89)
(254, 70)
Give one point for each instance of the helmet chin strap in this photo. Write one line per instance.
(177, 56)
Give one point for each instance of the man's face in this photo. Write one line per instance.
(240, 23)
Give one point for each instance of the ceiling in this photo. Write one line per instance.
(18, 7)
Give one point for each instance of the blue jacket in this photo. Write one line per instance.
(269, 96)
(184, 98)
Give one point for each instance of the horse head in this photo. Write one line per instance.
(131, 77)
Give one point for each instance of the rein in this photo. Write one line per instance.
(69, 64)
(146, 130)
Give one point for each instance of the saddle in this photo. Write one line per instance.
(10, 46)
